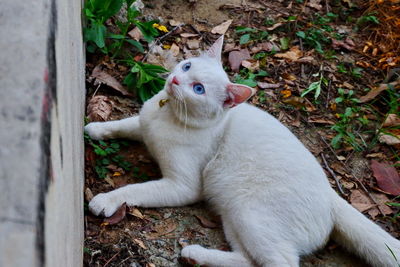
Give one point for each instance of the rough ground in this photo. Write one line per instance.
(154, 237)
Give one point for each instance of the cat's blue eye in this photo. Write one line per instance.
(186, 66)
(198, 88)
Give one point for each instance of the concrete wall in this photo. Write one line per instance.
(41, 146)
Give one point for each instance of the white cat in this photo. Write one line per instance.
(274, 199)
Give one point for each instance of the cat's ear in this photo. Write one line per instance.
(237, 94)
(215, 50)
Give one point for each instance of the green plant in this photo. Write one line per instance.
(357, 72)
(314, 38)
(369, 18)
(250, 34)
(144, 78)
(350, 121)
(96, 34)
(319, 33)
(341, 68)
(107, 153)
(316, 87)
(248, 78)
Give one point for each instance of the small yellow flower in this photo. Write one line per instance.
(160, 27)
(117, 174)
(166, 46)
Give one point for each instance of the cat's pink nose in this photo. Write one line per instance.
(175, 80)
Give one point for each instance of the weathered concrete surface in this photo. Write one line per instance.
(41, 103)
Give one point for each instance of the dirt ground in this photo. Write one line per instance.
(155, 237)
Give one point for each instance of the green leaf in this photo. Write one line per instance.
(301, 34)
(337, 140)
(242, 29)
(244, 39)
(136, 44)
(147, 29)
(284, 43)
(99, 34)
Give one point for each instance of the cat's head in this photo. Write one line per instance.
(200, 87)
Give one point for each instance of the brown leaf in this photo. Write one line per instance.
(265, 46)
(360, 201)
(377, 90)
(188, 34)
(391, 139)
(251, 64)
(392, 120)
(135, 212)
(319, 119)
(222, 28)
(99, 108)
(140, 243)
(338, 44)
(118, 216)
(387, 177)
(193, 44)
(135, 34)
(293, 54)
(205, 222)
(315, 4)
(273, 27)
(103, 77)
(88, 194)
(174, 50)
(263, 85)
(236, 57)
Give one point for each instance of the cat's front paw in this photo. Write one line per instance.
(194, 254)
(105, 204)
(98, 130)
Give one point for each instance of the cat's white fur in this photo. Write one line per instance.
(274, 199)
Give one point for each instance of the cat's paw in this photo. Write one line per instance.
(105, 204)
(97, 130)
(194, 254)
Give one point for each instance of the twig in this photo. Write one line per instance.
(333, 174)
(113, 257)
(358, 180)
(327, 96)
(159, 39)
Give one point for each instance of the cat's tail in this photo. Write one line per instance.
(360, 235)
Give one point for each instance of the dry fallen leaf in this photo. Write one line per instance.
(222, 28)
(135, 212)
(174, 50)
(140, 243)
(391, 137)
(118, 216)
(293, 54)
(135, 34)
(263, 85)
(193, 43)
(88, 194)
(188, 34)
(392, 120)
(387, 177)
(251, 64)
(236, 57)
(362, 202)
(377, 90)
(315, 4)
(205, 222)
(99, 108)
(103, 77)
(319, 119)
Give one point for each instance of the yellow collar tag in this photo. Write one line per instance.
(162, 102)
